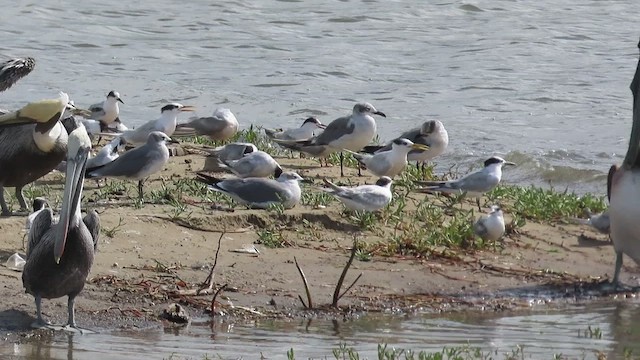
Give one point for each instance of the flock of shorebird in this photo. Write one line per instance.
(49, 134)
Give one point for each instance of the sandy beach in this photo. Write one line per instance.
(159, 252)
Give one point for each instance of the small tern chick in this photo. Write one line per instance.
(490, 227)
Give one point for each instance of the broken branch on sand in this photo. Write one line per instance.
(336, 294)
(306, 287)
(207, 285)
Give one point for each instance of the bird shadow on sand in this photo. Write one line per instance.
(586, 241)
(15, 320)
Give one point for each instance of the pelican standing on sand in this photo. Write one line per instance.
(351, 132)
(107, 111)
(138, 163)
(222, 125)
(30, 151)
(166, 124)
(60, 255)
(623, 189)
(13, 70)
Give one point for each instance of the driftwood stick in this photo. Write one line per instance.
(208, 282)
(306, 285)
(336, 293)
(213, 301)
(350, 286)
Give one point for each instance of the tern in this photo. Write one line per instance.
(351, 132)
(310, 128)
(259, 193)
(473, 184)
(165, 124)
(432, 134)
(490, 227)
(363, 197)
(107, 111)
(232, 151)
(60, 255)
(221, 126)
(390, 162)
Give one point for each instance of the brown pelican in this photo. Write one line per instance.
(351, 132)
(30, 151)
(623, 187)
(13, 70)
(222, 125)
(60, 255)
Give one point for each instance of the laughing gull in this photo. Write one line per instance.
(138, 163)
(390, 162)
(222, 125)
(259, 192)
(363, 197)
(473, 184)
(490, 227)
(351, 132)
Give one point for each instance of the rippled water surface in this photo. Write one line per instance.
(542, 334)
(543, 82)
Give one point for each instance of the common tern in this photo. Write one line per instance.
(165, 124)
(106, 111)
(259, 192)
(473, 184)
(310, 128)
(351, 132)
(363, 197)
(432, 134)
(232, 151)
(222, 125)
(490, 227)
(390, 162)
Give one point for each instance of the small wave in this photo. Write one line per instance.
(471, 8)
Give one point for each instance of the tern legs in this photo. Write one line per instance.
(140, 192)
(341, 161)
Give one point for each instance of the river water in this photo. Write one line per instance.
(541, 333)
(545, 83)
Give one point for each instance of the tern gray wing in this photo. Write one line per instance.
(41, 224)
(92, 221)
(480, 228)
(254, 190)
(13, 70)
(206, 125)
(474, 182)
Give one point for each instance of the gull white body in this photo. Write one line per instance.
(254, 164)
(363, 197)
(490, 227)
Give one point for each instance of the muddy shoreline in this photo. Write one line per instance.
(154, 254)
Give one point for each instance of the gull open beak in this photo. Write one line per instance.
(74, 177)
(380, 113)
(188, 108)
(419, 147)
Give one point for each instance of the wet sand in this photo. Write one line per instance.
(158, 255)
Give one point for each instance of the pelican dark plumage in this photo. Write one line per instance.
(29, 151)
(623, 188)
(13, 70)
(60, 255)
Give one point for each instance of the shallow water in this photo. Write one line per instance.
(545, 83)
(543, 333)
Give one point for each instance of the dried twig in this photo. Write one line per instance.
(350, 286)
(213, 301)
(336, 293)
(208, 282)
(306, 286)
